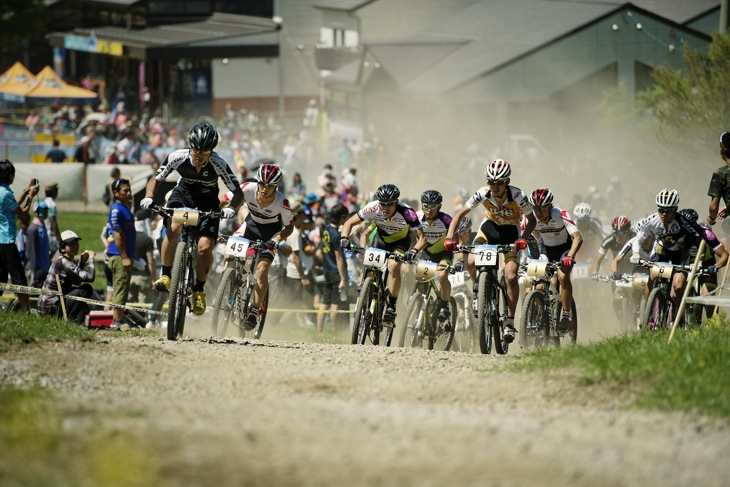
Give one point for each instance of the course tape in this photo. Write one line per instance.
(34, 291)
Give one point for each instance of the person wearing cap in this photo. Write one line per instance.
(12, 209)
(51, 221)
(121, 248)
(74, 278)
(720, 183)
(37, 252)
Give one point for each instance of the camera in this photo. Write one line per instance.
(36, 182)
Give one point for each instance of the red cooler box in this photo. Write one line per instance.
(99, 319)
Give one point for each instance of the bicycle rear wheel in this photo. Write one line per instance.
(362, 323)
(442, 335)
(224, 304)
(409, 335)
(178, 293)
(484, 310)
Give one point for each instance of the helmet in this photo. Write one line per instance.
(667, 198)
(690, 214)
(541, 197)
(497, 170)
(463, 192)
(269, 174)
(621, 223)
(203, 137)
(465, 224)
(387, 193)
(582, 210)
(431, 197)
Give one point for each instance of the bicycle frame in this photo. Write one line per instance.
(659, 311)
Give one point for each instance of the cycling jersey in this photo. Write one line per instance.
(612, 244)
(629, 246)
(510, 213)
(395, 228)
(435, 232)
(679, 235)
(203, 183)
(278, 212)
(558, 228)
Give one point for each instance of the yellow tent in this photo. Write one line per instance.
(14, 82)
(50, 87)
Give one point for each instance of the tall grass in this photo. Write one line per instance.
(689, 374)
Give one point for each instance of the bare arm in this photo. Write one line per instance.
(455, 221)
(714, 207)
(575, 246)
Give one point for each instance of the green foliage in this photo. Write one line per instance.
(688, 374)
(21, 20)
(19, 328)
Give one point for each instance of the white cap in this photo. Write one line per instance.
(68, 235)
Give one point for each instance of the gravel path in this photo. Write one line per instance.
(287, 412)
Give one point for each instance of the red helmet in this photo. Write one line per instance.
(269, 174)
(541, 197)
(621, 223)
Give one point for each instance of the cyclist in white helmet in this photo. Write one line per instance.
(590, 229)
(505, 207)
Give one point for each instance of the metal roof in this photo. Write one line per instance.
(679, 11)
(406, 61)
(344, 5)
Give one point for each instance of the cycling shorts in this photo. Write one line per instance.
(262, 231)
(491, 233)
(400, 246)
(554, 254)
(439, 256)
(207, 226)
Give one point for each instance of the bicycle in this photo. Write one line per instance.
(491, 296)
(183, 272)
(423, 308)
(233, 298)
(368, 319)
(659, 311)
(542, 308)
(630, 310)
(465, 336)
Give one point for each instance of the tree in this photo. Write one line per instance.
(21, 20)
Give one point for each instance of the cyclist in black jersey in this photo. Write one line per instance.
(199, 168)
(621, 234)
(589, 228)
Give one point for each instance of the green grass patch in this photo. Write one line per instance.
(20, 328)
(690, 374)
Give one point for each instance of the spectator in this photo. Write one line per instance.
(121, 248)
(11, 210)
(124, 146)
(74, 278)
(720, 183)
(144, 271)
(51, 221)
(56, 154)
(334, 266)
(86, 151)
(37, 251)
(298, 189)
(345, 154)
(114, 175)
(135, 153)
(297, 278)
(149, 157)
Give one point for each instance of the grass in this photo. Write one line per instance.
(19, 328)
(690, 374)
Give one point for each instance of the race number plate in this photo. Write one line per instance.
(536, 268)
(580, 271)
(186, 216)
(375, 257)
(426, 269)
(457, 279)
(237, 246)
(640, 281)
(661, 270)
(486, 255)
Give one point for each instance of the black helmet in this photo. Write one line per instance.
(690, 214)
(431, 197)
(387, 193)
(203, 137)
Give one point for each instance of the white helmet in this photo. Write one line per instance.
(582, 210)
(667, 198)
(497, 170)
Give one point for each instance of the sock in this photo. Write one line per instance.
(199, 286)
(510, 321)
(167, 270)
(392, 301)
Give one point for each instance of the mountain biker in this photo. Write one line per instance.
(621, 233)
(720, 183)
(505, 207)
(674, 235)
(590, 228)
(200, 168)
(394, 221)
(561, 240)
(269, 218)
(435, 223)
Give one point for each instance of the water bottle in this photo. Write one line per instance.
(343, 295)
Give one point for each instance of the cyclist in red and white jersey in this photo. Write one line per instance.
(394, 221)
(269, 218)
(561, 240)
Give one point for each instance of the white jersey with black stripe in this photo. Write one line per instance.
(202, 183)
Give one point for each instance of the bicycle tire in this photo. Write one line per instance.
(653, 310)
(534, 329)
(501, 346)
(626, 310)
(361, 309)
(224, 304)
(244, 305)
(444, 336)
(262, 319)
(465, 336)
(388, 339)
(408, 336)
(693, 311)
(483, 312)
(571, 337)
(178, 293)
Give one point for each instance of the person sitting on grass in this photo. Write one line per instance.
(74, 278)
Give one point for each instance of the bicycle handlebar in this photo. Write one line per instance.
(391, 255)
(164, 210)
(502, 248)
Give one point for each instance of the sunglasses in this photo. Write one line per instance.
(541, 208)
(273, 185)
(430, 207)
(201, 152)
(621, 232)
(666, 210)
(387, 203)
(498, 182)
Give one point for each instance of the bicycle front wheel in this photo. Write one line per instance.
(484, 310)
(499, 316)
(362, 317)
(569, 337)
(654, 311)
(224, 303)
(534, 326)
(410, 333)
(262, 320)
(442, 335)
(178, 293)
